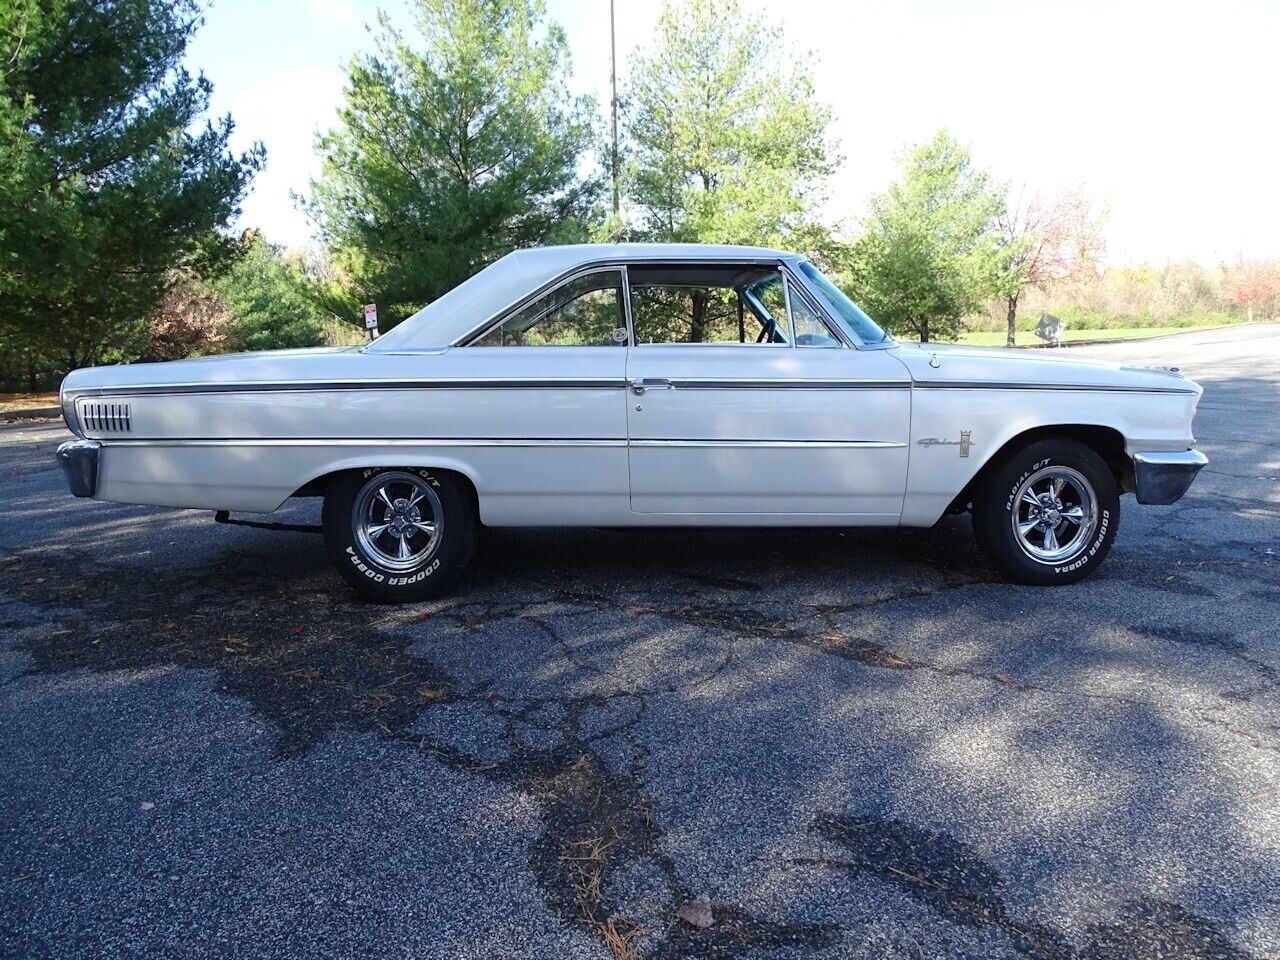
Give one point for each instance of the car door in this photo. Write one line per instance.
(728, 416)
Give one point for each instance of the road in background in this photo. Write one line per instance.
(853, 743)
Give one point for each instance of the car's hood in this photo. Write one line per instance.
(932, 363)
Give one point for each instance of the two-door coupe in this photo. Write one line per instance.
(640, 385)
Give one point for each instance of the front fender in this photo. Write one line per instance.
(941, 465)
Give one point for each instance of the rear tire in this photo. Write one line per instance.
(399, 534)
(1048, 512)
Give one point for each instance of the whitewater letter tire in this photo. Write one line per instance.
(1048, 512)
(401, 533)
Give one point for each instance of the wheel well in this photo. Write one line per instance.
(1107, 442)
(320, 485)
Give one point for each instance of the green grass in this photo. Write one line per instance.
(1026, 338)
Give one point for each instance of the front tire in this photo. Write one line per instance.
(1048, 512)
(399, 534)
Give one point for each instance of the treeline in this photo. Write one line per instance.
(1182, 294)
(454, 145)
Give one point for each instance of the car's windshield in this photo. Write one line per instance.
(846, 311)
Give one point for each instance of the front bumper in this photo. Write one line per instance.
(1163, 477)
(79, 459)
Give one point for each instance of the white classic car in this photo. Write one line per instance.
(640, 385)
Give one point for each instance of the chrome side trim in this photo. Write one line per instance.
(184, 389)
(491, 442)
(366, 441)
(791, 384)
(1052, 387)
(773, 444)
(309, 386)
(574, 383)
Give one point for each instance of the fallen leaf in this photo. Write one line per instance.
(696, 913)
(296, 628)
(493, 698)
(146, 805)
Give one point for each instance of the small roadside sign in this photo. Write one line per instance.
(371, 318)
(1050, 329)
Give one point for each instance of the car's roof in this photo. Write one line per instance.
(573, 254)
(507, 281)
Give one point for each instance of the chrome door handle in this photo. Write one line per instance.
(640, 384)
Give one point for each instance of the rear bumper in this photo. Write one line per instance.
(79, 459)
(1163, 477)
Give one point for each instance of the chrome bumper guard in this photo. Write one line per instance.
(1162, 478)
(79, 459)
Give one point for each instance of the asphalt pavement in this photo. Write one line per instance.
(851, 743)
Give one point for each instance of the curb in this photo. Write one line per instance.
(32, 413)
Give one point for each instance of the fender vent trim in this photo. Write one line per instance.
(105, 417)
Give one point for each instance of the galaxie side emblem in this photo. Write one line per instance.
(964, 443)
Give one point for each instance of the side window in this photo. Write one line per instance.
(708, 304)
(810, 330)
(584, 312)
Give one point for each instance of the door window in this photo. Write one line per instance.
(709, 304)
(586, 311)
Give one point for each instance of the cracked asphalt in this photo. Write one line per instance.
(852, 743)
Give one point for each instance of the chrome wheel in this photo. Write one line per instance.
(1055, 515)
(397, 519)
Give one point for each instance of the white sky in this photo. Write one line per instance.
(1167, 112)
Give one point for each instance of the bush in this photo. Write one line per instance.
(268, 298)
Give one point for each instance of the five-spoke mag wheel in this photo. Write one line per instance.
(400, 533)
(1055, 514)
(1046, 512)
(398, 519)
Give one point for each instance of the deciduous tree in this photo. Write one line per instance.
(1042, 243)
(726, 139)
(1255, 285)
(929, 254)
